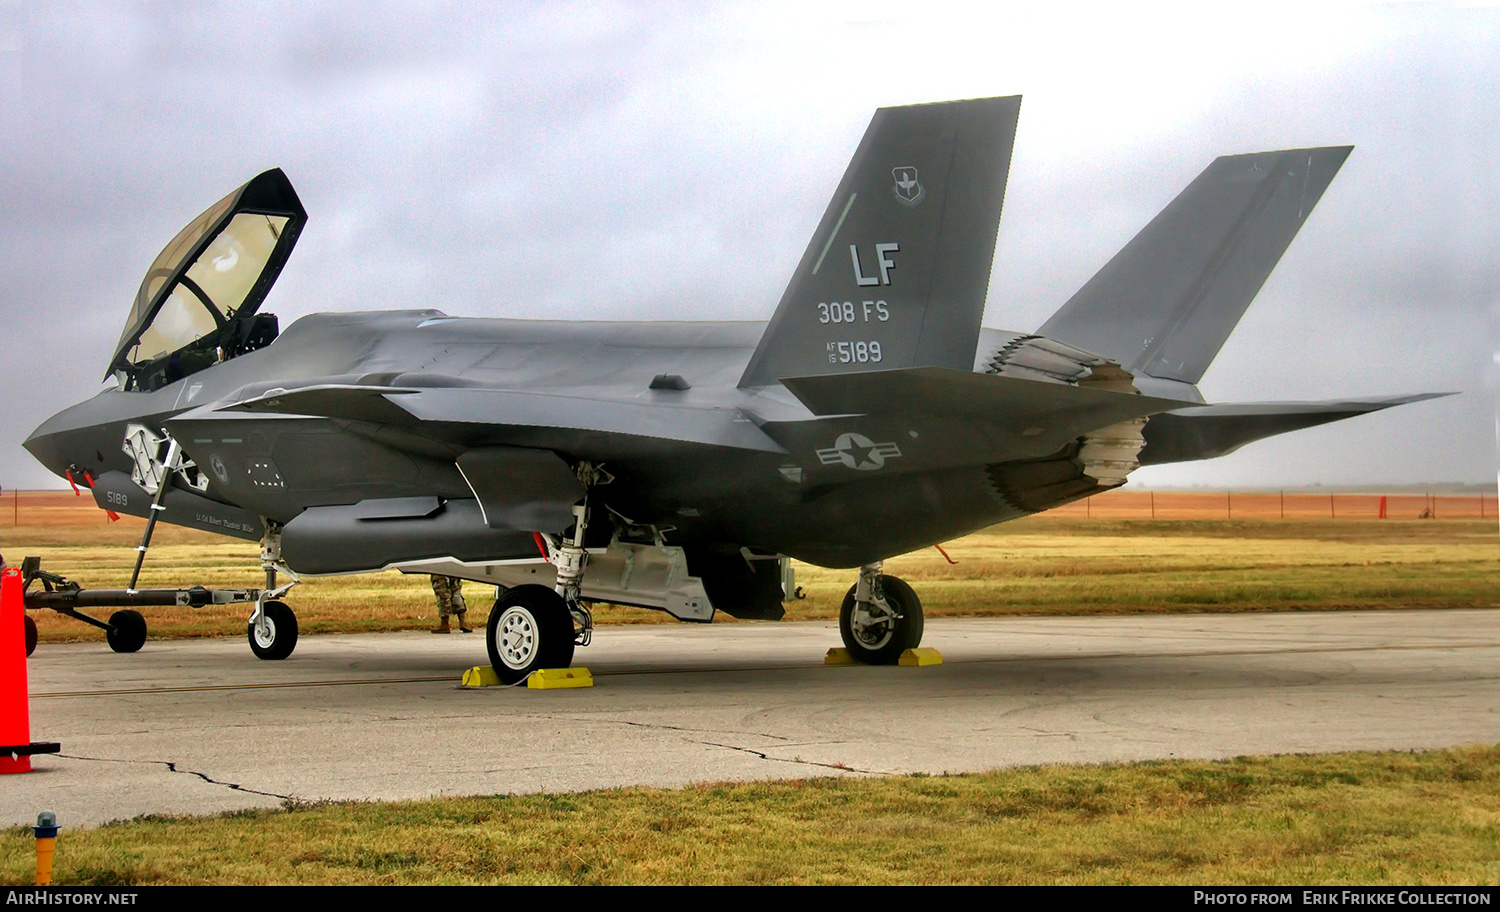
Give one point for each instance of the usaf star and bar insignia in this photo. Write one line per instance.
(856, 451)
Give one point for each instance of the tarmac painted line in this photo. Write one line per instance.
(204, 688)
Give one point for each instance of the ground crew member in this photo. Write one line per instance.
(450, 599)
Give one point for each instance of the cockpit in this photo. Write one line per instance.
(198, 303)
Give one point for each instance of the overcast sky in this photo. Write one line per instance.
(639, 161)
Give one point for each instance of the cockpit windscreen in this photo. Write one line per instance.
(212, 289)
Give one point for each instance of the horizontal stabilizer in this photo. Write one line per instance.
(942, 393)
(1166, 302)
(1206, 431)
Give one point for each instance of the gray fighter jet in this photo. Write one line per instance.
(678, 466)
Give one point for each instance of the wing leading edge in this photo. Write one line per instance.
(470, 412)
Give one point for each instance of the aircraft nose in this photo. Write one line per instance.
(74, 436)
(44, 445)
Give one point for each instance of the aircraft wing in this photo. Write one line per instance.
(459, 414)
(332, 400)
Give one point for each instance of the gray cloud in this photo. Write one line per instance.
(658, 162)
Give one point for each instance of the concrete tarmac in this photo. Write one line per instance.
(199, 726)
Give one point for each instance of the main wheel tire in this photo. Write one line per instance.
(530, 627)
(883, 644)
(30, 636)
(282, 638)
(129, 633)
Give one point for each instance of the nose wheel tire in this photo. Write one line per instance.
(280, 637)
(129, 633)
(30, 636)
(878, 634)
(530, 627)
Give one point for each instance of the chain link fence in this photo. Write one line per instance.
(1279, 505)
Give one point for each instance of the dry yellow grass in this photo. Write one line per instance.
(1357, 818)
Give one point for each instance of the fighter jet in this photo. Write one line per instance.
(679, 466)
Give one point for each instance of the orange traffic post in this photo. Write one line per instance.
(46, 846)
(16, 746)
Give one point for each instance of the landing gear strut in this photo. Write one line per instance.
(571, 559)
(272, 630)
(881, 618)
(534, 627)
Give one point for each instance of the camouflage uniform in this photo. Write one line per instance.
(450, 599)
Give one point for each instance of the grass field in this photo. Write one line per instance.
(1357, 818)
(1116, 560)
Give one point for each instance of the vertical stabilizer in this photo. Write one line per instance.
(897, 272)
(1165, 304)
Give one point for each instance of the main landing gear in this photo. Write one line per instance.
(881, 618)
(530, 627)
(533, 627)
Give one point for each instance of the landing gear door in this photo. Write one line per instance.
(199, 298)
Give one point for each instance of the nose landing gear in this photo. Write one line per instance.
(272, 630)
(273, 635)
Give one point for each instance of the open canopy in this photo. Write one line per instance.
(212, 277)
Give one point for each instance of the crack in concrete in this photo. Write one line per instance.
(697, 731)
(657, 726)
(841, 767)
(172, 767)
